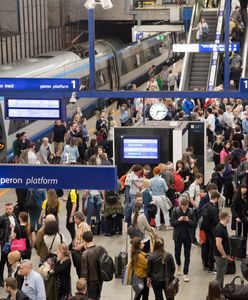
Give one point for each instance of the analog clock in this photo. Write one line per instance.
(158, 111)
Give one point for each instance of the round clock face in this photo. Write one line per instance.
(158, 111)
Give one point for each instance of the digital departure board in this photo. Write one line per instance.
(35, 109)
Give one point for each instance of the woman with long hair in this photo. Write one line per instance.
(225, 151)
(184, 172)
(240, 211)
(62, 270)
(228, 180)
(217, 147)
(50, 206)
(139, 263)
(70, 154)
(22, 231)
(161, 268)
(139, 220)
(214, 291)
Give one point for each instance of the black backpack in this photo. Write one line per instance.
(111, 197)
(107, 267)
(205, 219)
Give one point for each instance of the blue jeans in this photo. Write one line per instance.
(94, 204)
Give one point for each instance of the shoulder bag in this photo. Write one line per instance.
(171, 287)
(236, 291)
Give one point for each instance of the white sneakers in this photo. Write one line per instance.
(185, 278)
(179, 270)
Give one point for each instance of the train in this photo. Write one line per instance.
(115, 69)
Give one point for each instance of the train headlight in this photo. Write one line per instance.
(2, 146)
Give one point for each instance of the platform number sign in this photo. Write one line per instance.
(244, 85)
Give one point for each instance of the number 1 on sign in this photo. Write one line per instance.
(246, 84)
(73, 84)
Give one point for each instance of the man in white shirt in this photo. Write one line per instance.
(210, 125)
(33, 285)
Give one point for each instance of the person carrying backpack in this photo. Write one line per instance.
(94, 263)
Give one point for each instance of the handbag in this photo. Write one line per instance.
(127, 275)
(134, 231)
(18, 244)
(171, 287)
(167, 203)
(137, 284)
(236, 291)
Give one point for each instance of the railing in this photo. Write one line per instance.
(213, 68)
(245, 50)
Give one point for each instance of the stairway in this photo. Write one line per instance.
(201, 61)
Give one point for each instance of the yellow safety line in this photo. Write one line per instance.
(4, 192)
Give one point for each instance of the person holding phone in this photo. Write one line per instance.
(183, 221)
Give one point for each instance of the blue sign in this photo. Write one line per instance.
(139, 36)
(58, 177)
(243, 85)
(40, 84)
(218, 47)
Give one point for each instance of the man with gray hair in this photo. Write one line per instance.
(33, 284)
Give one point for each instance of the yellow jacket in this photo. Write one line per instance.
(141, 265)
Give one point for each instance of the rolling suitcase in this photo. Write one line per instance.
(95, 227)
(121, 260)
(238, 245)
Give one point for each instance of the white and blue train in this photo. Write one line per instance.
(115, 69)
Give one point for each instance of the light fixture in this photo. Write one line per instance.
(106, 4)
(90, 4)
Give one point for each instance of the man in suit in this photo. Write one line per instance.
(101, 122)
(8, 222)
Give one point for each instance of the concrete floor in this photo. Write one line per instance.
(196, 289)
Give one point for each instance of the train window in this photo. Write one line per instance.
(100, 79)
(16, 125)
(128, 64)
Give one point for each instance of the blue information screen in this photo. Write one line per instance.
(140, 149)
(243, 85)
(40, 84)
(218, 47)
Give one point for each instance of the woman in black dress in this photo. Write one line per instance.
(23, 231)
(217, 147)
(62, 270)
(184, 172)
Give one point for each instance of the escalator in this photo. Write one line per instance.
(199, 69)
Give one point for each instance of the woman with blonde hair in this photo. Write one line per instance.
(217, 147)
(146, 195)
(51, 205)
(62, 270)
(14, 258)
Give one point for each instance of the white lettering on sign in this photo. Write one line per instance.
(29, 181)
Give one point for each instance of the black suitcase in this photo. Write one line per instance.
(238, 246)
(95, 227)
(231, 267)
(121, 260)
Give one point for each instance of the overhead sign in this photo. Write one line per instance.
(40, 84)
(35, 109)
(205, 47)
(139, 36)
(160, 37)
(58, 177)
(243, 85)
